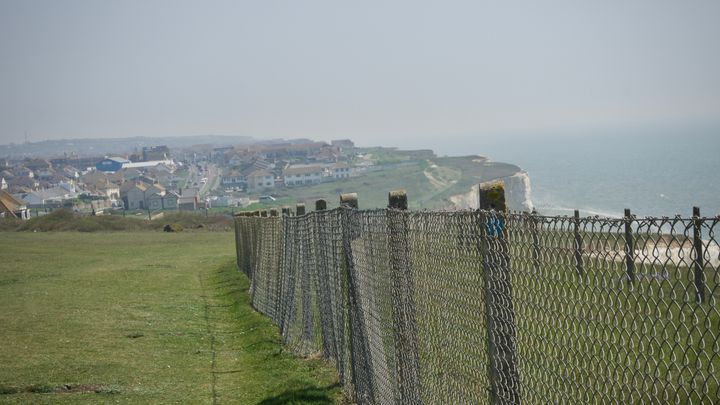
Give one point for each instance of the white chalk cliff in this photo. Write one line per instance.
(518, 193)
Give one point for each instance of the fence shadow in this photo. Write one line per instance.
(313, 395)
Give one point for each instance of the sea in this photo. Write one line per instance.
(661, 172)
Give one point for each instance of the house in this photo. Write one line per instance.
(10, 207)
(49, 197)
(3, 184)
(341, 171)
(37, 164)
(301, 174)
(157, 200)
(154, 189)
(154, 201)
(24, 172)
(233, 179)
(187, 203)
(134, 196)
(260, 179)
(140, 195)
(131, 174)
(170, 201)
(108, 189)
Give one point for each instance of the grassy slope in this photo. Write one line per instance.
(141, 318)
(65, 220)
(373, 187)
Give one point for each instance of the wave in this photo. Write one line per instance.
(584, 211)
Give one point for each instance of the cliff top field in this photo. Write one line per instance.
(140, 317)
(430, 183)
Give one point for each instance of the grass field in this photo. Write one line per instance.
(140, 317)
(428, 186)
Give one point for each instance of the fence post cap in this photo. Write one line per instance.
(491, 196)
(398, 199)
(349, 200)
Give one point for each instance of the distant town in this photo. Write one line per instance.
(160, 178)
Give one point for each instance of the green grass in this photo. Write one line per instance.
(140, 317)
(458, 173)
(65, 220)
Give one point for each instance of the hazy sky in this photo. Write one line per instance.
(380, 72)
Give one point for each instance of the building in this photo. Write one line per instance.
(108, 189)
(297, 175)
(161, 152)
(115, 164)
(52, 197)
(233, 179)
(148, 164)
(134, 196)
(260, 179)
(170, 201)
(154, 202)
(111, 164)
(341, 171)
(187, 203)
(140, 196)
(10, 207)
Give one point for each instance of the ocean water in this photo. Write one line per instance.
(659, 174)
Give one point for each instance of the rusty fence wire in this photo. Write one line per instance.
(483, 307)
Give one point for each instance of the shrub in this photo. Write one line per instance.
(173, 228)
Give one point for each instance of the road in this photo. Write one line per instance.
(212, 175)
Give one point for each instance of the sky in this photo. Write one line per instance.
(405, 73)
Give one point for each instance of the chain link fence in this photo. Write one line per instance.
(478, 306)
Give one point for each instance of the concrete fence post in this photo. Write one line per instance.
(358, 342)
(300, 209)
(403, 300)
(577, 245)
(629, 247)
(699, 262)
(499, 309)
(535, 240)
(320, 205)
(349, 200)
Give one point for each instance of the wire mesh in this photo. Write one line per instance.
(484, 307)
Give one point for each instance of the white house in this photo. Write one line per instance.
(233, 179)
(296, 175)
(260, 179)
(341, 171)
